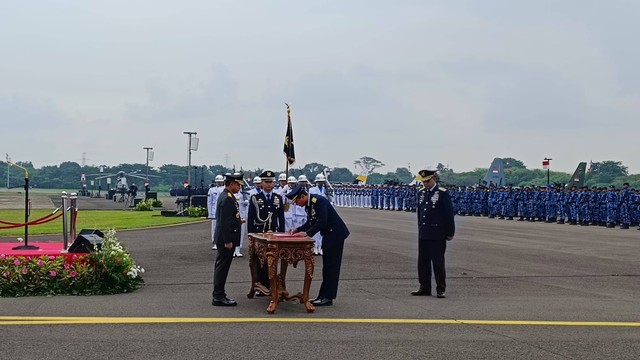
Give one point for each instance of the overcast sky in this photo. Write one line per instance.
(410, 83)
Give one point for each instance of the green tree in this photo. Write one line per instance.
(367, 164)
(342, 175)
(513, 163)
(605, 172)
(404, 175)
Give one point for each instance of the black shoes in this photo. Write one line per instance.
(224, 302)
(440, 295)
(322, 302)
(421, 292)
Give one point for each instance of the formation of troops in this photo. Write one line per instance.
(383, 197)
(597, 206)
(608, 207)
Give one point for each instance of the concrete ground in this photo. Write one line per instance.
(498, 270)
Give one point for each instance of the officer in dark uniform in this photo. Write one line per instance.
(226, 236)
(323, 218)
(435, 227)
(266, 214)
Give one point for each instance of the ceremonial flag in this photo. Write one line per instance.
(362, 178)
(288, 149)
(545, 164)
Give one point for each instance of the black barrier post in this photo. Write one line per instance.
(26, 245)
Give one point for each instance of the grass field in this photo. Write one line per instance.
(90, 219)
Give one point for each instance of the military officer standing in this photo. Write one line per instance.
(322, 218)
(436, 226)
(227, 237)
(266, 214)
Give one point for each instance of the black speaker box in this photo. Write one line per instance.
(85, 240)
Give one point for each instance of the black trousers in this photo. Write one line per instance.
(432, 252)
(263, 275)
(332, 249)
(221, 270)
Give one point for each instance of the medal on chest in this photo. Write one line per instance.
(434, 199)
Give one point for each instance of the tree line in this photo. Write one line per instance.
(67, 175)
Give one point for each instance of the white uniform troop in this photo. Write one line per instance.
(295, 215)
(212, 199)
(243, 201)
(320, 190)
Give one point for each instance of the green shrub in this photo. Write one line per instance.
(155, 202)
(144, 206)
(197, 211)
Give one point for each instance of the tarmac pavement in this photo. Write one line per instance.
(498, 270)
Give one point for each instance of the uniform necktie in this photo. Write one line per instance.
(268, 197)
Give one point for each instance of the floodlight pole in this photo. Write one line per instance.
(190, 134)
(548, 168)
(148, 148)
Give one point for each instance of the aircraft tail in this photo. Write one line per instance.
(495, 175)
(577, 179)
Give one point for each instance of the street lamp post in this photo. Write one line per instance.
(146, 181)
(148, 149)
(547, 163)
(192, 146)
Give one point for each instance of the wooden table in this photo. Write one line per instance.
(268, 248)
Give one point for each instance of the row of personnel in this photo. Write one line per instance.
(596, 206)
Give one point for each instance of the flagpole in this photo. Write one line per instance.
(285, 155)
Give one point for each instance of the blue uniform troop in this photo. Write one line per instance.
(595, 206)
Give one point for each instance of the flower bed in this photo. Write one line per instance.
(109, 270)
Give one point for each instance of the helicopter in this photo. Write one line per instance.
(122, 187)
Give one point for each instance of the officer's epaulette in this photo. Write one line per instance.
(442, 189)
(313, 200)
(229, 195)
(422, 189)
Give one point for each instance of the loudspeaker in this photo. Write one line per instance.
(85, 240)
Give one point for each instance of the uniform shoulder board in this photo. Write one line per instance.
(421, 189)
(313, 200)
(229, 195)
(442, 189)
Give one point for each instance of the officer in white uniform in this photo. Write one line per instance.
(290, 207)
(321, 190)
(282, 182)
(300, 213)
(212, 198)
(243, 202)
(257, 186)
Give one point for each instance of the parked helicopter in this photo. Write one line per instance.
(125, 190)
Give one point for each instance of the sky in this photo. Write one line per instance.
(409, 83)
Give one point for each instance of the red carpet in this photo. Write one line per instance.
(45, 248)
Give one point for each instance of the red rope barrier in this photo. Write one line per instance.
(22, 224)
(42, 220)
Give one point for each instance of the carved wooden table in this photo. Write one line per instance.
(268, 248)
